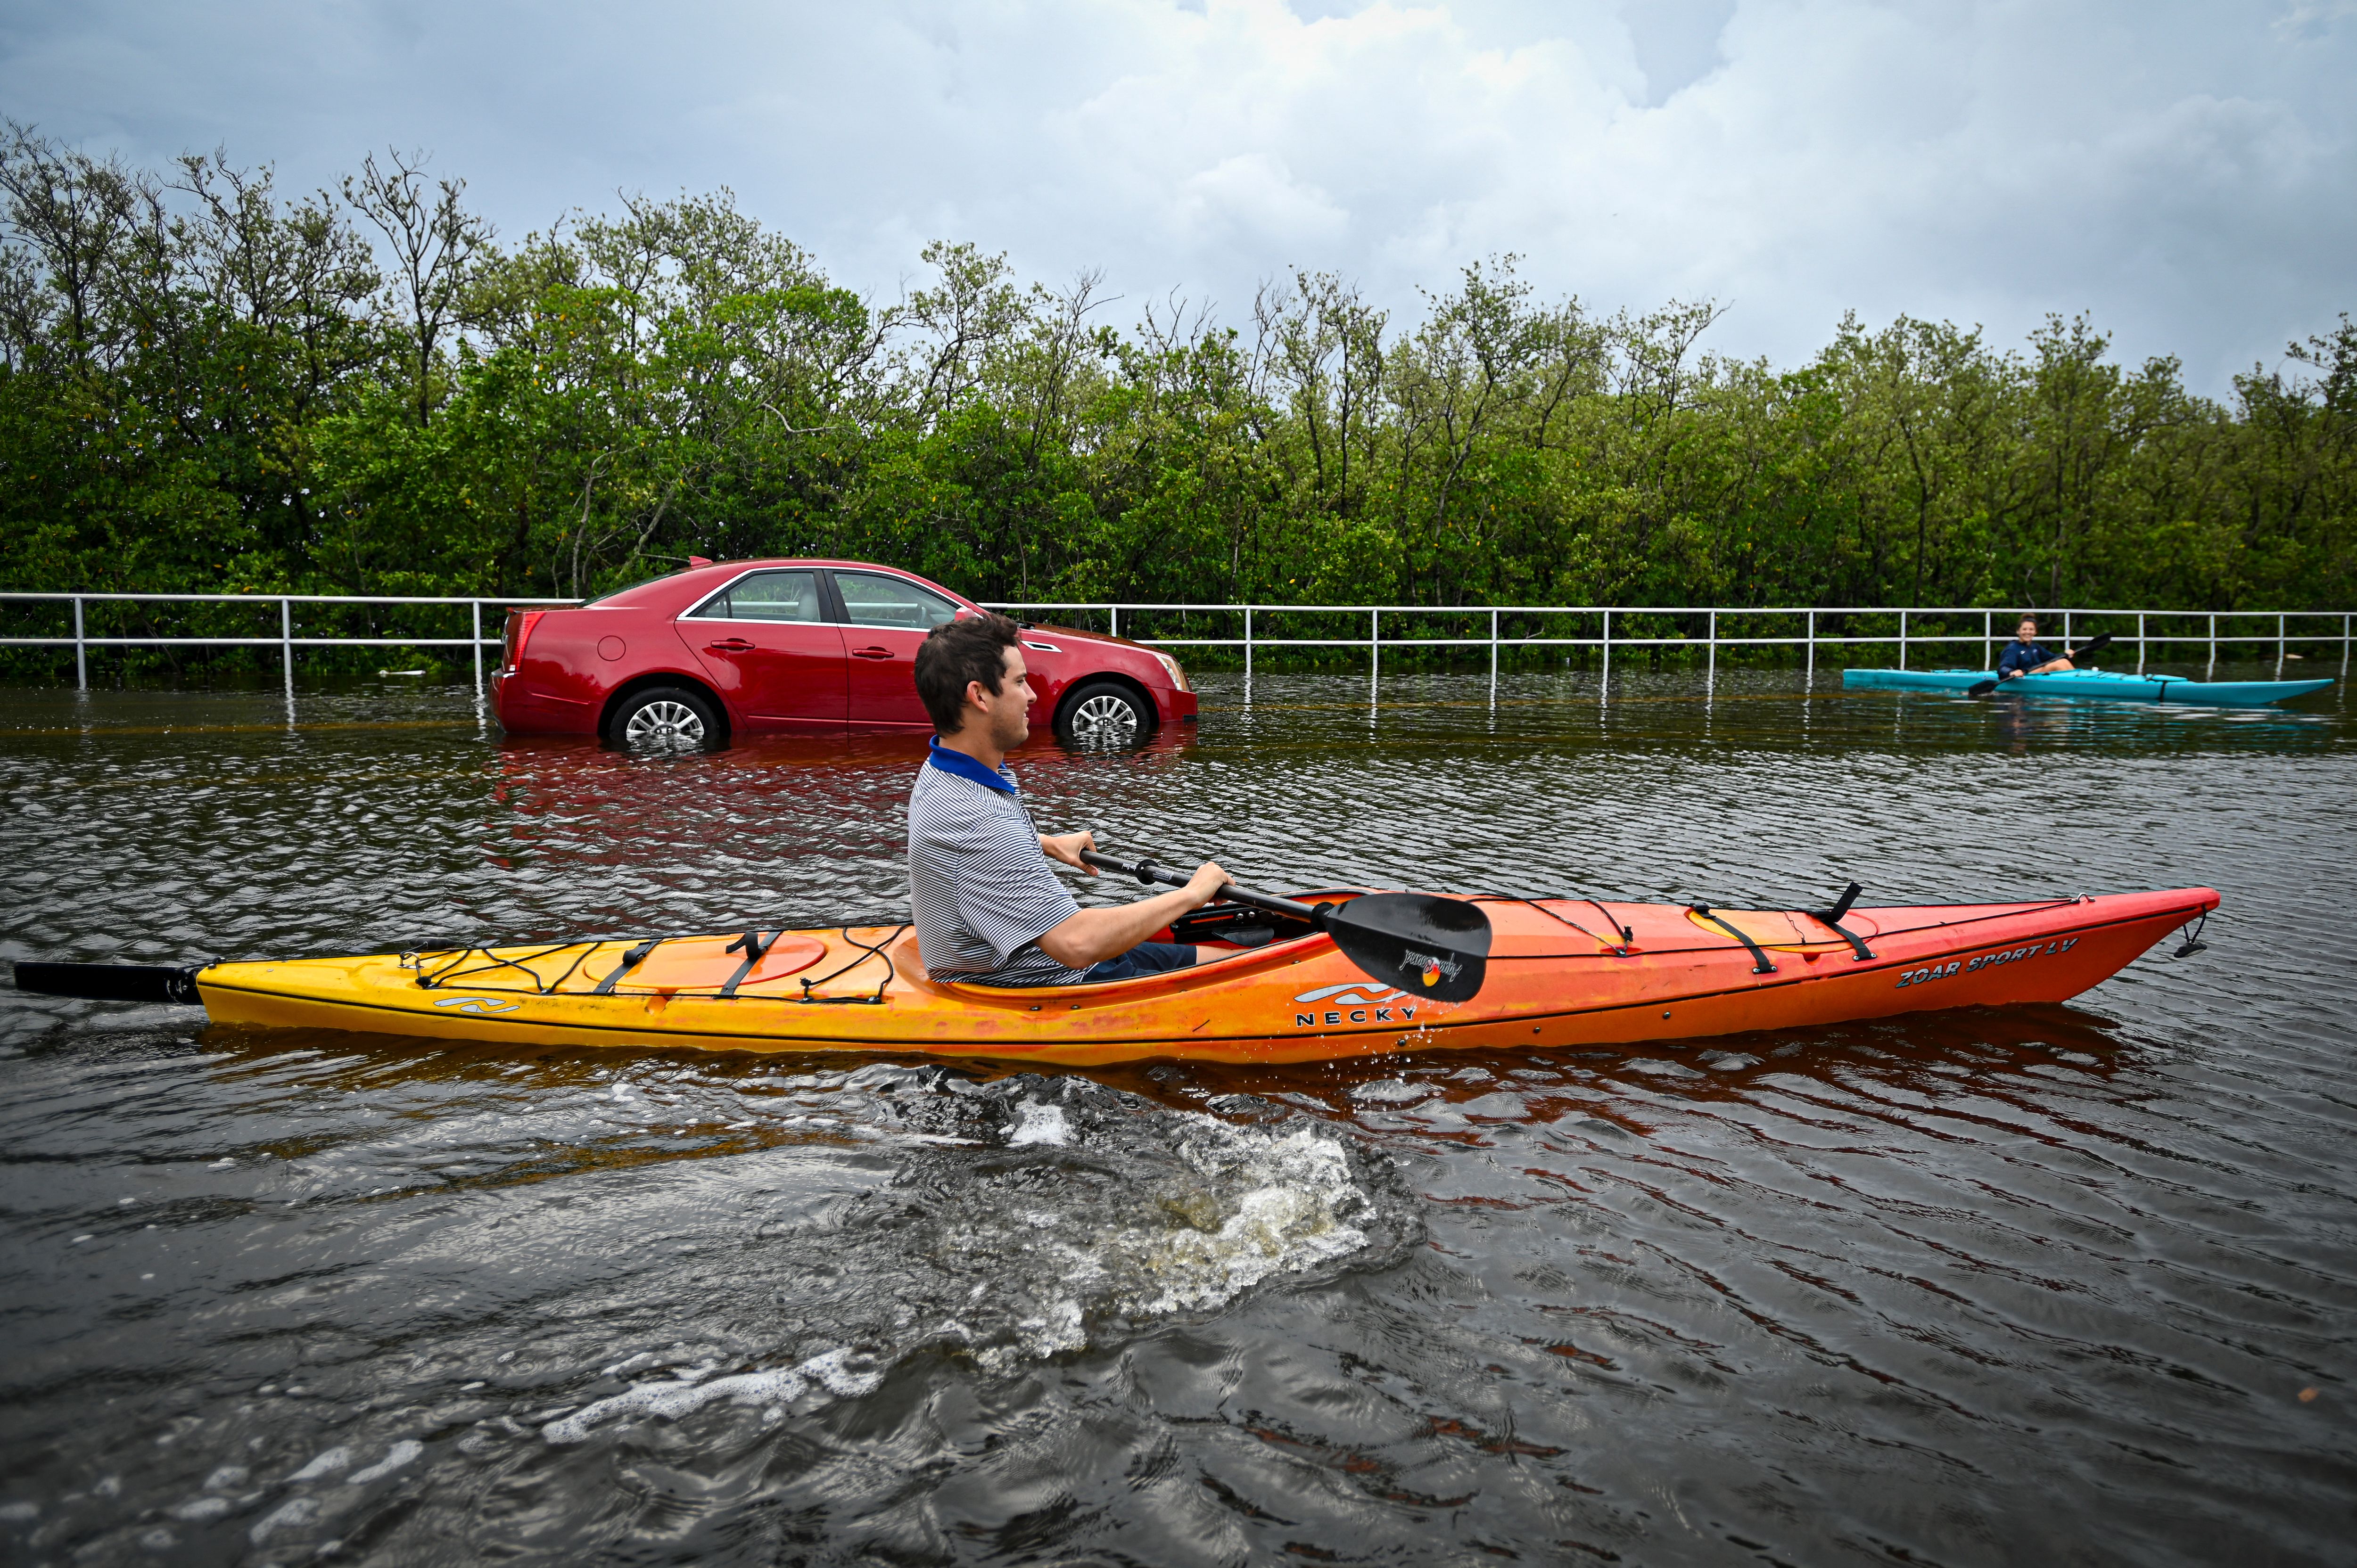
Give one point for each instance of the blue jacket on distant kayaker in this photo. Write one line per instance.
(2025, 655)
(988, 908)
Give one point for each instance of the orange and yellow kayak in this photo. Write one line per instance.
(1562, 971)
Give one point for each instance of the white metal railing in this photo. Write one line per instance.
(1807, 634)
(286, 642)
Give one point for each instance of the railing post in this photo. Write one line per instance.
(1116, 611)
(287, 643)
(1902, 639)
(2213, 642)
(2139, 642)
(2066, 628)
(1810, 680)
(2345, 619)
(1988, 635)
(475, 607)
(2283, 644)
(1710, 672)
(82, 661)
(1494, 657)
(1248, 648)
(1374, 645)
(1606, 678)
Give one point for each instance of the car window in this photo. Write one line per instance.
(869, 600)
(767, 596)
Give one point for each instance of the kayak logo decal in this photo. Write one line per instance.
(1985, 960)
(1349, 994)
(1352, 1007)
(1430, 967)
(479, 1004)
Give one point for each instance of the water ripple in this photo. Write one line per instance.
(2024, 1285)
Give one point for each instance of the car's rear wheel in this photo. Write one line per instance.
(665, 718)
(1104, 713)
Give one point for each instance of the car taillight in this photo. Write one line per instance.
(519, 625)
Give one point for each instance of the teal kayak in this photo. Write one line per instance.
(2086, 684)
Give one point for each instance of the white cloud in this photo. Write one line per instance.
(2182, 171)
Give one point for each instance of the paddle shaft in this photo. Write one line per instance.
(1145, 871)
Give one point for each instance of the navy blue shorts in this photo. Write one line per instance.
(1145, 957)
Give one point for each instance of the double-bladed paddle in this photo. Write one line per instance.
(2093, 645)
(112, 981)
(1424, 945)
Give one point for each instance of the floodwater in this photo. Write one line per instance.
(2032, 1285)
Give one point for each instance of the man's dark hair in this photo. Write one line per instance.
(956, 653)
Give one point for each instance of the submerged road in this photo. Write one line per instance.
(2062, 1283)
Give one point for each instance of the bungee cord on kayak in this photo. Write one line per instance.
(447, 969)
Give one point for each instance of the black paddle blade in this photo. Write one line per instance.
(1980, 687)
(1435, 948)
(112, 981)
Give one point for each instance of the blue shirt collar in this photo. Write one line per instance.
(966, 766)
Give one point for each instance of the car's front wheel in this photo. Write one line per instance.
(1104, 713)
(665, 718)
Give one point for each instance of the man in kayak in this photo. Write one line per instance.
(989, 908)
(2025, 655)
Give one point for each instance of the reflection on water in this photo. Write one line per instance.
(2032, 1285)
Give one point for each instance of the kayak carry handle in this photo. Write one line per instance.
(1832, 921)
(1841, 906)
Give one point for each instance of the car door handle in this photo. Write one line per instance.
(871, 653)
(730, 645)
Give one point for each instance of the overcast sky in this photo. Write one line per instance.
(2183, 172)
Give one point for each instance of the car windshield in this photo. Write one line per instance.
(869, 600)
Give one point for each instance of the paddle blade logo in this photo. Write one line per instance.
(1430, 967)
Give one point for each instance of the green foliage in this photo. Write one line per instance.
(206, 386)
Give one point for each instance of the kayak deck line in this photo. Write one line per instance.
(450, 976)
(1295, 999)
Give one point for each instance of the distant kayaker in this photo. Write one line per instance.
(2025, 655)
(989, 908)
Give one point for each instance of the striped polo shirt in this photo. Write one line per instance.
(980, 887)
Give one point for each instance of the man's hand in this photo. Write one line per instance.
(1205, 885)
(1067, 848)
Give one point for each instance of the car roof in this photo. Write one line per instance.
(680, 588)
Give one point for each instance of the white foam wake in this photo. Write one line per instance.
(831, 1372)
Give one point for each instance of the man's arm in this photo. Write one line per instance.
(1094, 934)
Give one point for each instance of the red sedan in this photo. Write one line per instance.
(796, 648)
